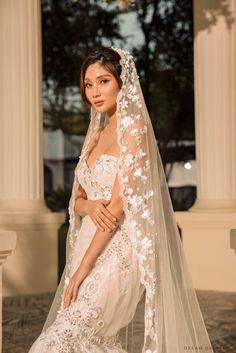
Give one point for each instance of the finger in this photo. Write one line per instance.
(66, 299)
(66, 304)
(103, 223)
(67, 296)
(108, 215)
(66, 293)
(105, 202)
(107, 222)
(75, 293)
(108, 219)
(96, 221)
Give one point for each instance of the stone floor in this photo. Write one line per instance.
(23, 318)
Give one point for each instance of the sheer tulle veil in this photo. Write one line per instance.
(172, 318)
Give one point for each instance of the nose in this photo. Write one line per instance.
(96, 91)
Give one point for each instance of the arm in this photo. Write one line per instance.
(97, 245)
(80, 202)
(100, 238)
(96, 209)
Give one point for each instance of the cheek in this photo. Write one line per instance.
(88, 95)
(115, 94)
(112, 94)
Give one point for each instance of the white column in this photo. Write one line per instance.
(21, 159)
(22, 206)
(215, 106)
(208, 229)
(7, 245)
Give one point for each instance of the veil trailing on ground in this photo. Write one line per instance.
(172, 318)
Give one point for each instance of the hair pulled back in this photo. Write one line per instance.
(108, 58)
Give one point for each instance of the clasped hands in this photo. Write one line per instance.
(104, 220)
(101, 217)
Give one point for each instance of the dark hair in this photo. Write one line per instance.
(108, 58)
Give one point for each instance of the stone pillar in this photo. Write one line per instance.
(215, 107)
(7, 244)
(22, 206)
(206, 227)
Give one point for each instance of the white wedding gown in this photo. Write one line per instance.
(108, 297)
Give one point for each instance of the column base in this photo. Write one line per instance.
(222, 206)
(23, 206)
(208, 247)
(7, 244)
(32, 268)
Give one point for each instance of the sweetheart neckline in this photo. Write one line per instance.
(101, 155)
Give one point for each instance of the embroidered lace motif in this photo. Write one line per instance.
(79, 328)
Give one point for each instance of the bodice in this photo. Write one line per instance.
(98, 179)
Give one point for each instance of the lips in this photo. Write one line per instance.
(99, 103)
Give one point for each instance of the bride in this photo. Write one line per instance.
(123, 241)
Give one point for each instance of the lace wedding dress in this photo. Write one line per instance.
(108, 297)
(145, 252)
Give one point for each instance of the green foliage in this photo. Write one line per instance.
(164, 61)
(70, 30)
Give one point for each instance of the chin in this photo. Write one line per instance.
(100, 109)
(105, 109)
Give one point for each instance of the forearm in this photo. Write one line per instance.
(101, 238)
(81, 206)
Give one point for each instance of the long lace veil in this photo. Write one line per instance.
(172, 317)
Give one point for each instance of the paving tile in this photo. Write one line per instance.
(23, 318)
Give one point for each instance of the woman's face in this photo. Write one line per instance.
(101, 88)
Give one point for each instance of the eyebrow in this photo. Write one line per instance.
(87, 79)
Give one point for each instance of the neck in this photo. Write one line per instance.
(112, 121)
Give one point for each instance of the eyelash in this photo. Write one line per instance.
(87, 85)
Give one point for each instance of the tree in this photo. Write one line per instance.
(165, 65)
(70, 30)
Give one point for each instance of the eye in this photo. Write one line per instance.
(103, 82)
(87, 85)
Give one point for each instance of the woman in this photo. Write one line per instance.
(123, 240)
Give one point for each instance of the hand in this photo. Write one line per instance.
(100, 216)
(74, 284)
